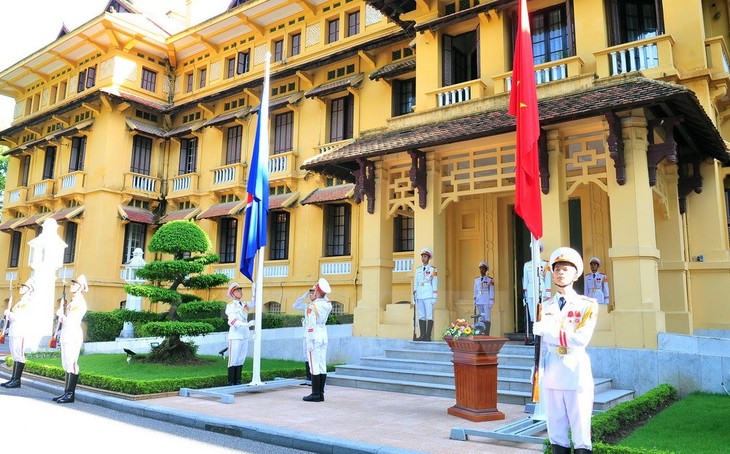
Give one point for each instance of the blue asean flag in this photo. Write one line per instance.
(257, 206)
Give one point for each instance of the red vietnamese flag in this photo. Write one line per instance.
(523, 105)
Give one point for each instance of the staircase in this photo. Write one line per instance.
(425, 368)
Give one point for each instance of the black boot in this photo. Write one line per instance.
(65, 388)
(17, 373)
(582, 451)
(322, 380)
(12, 377)
(315, 396)
(421, 330)
(557, 449)
(238, 370)
(307, 381)
(231, 375)
(487, 327)
(70, 396)
(429, 327)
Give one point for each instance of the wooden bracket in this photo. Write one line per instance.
(657, 152)
(616, 146)
(365, 183)
(418, 173)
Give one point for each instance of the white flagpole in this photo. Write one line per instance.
(538, 413)
(259, 275)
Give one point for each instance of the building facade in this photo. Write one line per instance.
(389, 133)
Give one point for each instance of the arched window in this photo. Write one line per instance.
(337, 308)
(272, 307)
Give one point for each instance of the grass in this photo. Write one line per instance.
(116, 365)
(698, 423)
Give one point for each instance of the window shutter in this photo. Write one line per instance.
(447, 61)
(91, 76)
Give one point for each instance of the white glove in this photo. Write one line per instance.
(7, 312)
(240, 324)
(59, 313)
(538, 328)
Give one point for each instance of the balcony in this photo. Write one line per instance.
(42, 190)
(281, 165)
(544, 73)
(652, 56)
(183, 185)
(335, 266)
(142, 184)
(717, 57)
(461, 92)
(228, 176)
(332, 146)
(70, 183)
(17, 196)
(276, 271)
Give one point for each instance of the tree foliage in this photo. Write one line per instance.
(190, 248)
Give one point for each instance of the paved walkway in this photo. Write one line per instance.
(349, 421)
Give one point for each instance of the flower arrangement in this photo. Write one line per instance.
(459, 328)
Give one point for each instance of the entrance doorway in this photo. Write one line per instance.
(521, 254)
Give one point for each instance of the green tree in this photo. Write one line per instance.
(3, 174)
(190, 248)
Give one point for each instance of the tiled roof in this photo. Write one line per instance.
(282, 200)
(228, 117)
(223, 209)
(10, 223)
(68, 213)
(134, 214)
(138, 100)
(141, 126)
(80, 126)
(625, 94)
(394, 69)
(280, 102)
(334, 86)
(32, 221)
(180, 214)
(329, 194)
(185, 129)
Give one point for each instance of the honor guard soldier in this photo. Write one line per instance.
(484, 296)
(425, 292)
(301, 305)
(315, 318)
(596, 283)
(21, 317)
(72, 337)
(545, 285)
(566, 326)
(238, 333)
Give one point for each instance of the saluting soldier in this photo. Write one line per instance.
(545, 285)
(596, 283)
(21, 316)
(566, 326)
(315, 318)
(484, 296)
(301, 305)
(238, 333)
(72, 337)
(425, 291)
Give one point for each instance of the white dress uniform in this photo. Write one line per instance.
(426, 290)
(72, 337)
(484, 296)
(545, 285)
(315, 319)
(239, 332)
(21, 318)
(596, 287)
(566, 376)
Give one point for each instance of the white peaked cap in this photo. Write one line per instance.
(30, 283)
(427, 251)
(595, 259)
(232, 287)
(569, 255)
(81, 280)
(323, 285)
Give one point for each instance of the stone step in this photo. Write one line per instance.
(408, 364)
(423, 355)
(443, 378)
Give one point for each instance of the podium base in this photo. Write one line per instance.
(473, 415)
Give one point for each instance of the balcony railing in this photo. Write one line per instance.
(17, 196)
(183, 184)
(229, 175)
(332, 146)
(403, 265)
(332, 268)
(276, 270)
(544, 72)
(460, 92)
(71, 182)
(717, 55)
(43, 189)
(141, 183)
(652, 55)
(282, 164)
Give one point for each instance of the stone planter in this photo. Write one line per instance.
(475, 377)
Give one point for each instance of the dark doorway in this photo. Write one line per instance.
(521, 253)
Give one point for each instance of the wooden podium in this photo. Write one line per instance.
(475, 376)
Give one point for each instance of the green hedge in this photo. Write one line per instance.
(606, 425)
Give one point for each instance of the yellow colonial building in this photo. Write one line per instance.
(389, 133)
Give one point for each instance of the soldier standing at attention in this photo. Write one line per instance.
(301, 305)
(484, 296)
(596, 283)
(72, 337)
(566, 326)
(238, 333)
(545, 283)
(425, 291)
(315, 317)
(21, 317)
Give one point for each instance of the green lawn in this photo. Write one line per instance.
(698, 423)
(116, 365)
